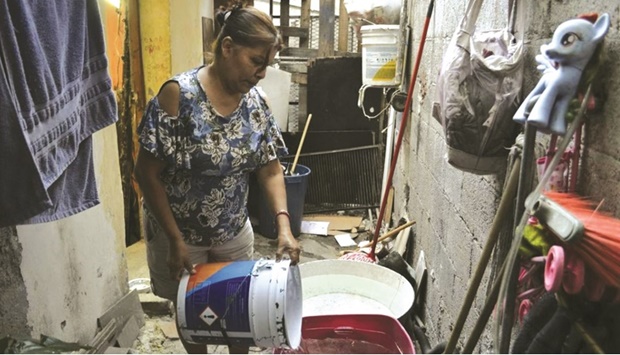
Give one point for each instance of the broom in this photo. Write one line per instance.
(597, 240)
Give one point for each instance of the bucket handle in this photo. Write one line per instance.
(261, 265)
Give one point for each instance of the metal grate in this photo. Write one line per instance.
(314, 36)
(313, 43)
(343, 179)
(313, 40)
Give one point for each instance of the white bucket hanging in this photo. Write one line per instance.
(380, 49)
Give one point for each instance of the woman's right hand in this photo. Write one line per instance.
(178, 259)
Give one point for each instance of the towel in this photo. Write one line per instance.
(53, 54)
(74, 191)
(22, 193)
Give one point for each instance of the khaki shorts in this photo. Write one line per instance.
(239, 248)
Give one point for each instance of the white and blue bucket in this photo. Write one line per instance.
(252, 303)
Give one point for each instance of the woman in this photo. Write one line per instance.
(200, 137)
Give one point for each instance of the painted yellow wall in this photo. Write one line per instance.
(155, 43)
(186, 33)
(114, 28)
(171, 34)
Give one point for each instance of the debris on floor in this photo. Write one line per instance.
(152, 339)
(159, 334)
(336, 224)
(169, 328)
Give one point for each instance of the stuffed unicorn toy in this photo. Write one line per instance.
(562, 62)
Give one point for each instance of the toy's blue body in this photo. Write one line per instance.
(563, 61)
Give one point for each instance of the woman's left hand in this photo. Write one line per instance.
(271, 177)
(288, 244)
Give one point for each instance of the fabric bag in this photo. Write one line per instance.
(478, 88)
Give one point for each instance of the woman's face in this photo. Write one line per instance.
(245, 66)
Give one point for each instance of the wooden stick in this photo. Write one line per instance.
(301, 142)
(394, 231)
(104, 338)
(390, 204)
(389, 234)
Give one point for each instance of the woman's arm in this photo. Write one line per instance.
(271, 180)
(147, 172)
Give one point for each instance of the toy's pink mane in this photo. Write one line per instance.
(590, 16)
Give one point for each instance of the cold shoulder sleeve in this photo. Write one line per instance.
(164, 136)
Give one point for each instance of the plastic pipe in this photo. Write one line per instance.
(389, 148)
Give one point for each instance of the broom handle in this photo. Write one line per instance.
(559, 152)
(395, 230)
(503, 211)
(485, 314)
(301, 142)
(529, 202)
(574, 171)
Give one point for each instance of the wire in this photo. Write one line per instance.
(360, 101)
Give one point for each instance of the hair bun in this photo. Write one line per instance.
(236, 6)
(221, 17)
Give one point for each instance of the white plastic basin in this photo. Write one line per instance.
(337, 286)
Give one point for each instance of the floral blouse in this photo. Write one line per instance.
(209, 158)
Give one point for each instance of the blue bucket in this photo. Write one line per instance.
(296, 186)
(251, 303)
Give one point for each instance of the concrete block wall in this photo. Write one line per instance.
(454, 209)
(12, 285)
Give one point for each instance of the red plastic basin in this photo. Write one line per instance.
(352, 334)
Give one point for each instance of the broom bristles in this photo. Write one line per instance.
(600, 249)
(607, 276)
(600, 246)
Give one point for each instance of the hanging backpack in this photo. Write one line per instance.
(478, 89)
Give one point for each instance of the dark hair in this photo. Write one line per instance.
(247, 26)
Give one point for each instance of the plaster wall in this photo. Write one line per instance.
(186, 32)
(57, 278)
(454, 209)
(74, 269)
